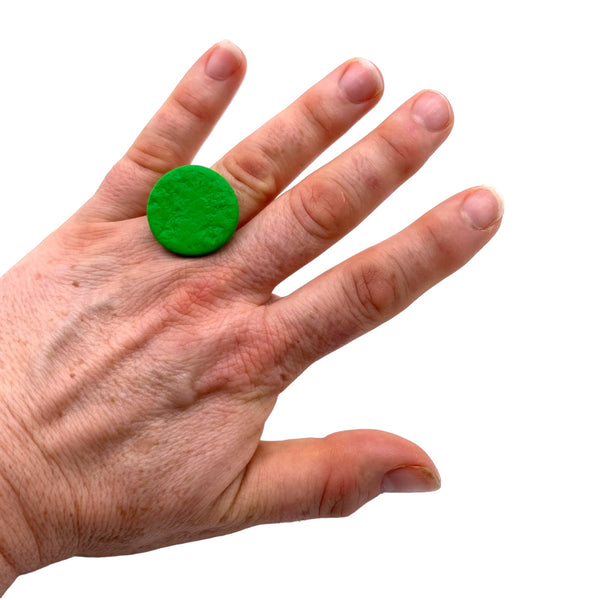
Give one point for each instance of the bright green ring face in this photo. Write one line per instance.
(192, 210)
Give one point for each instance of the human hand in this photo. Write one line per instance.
(136, 383)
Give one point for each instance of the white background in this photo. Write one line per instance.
(494, 372)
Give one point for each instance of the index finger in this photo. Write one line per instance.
(174, 134)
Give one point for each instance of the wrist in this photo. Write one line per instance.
(17, 540)
(12, 540)
(28, 529)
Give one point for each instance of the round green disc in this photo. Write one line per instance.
(192, 210)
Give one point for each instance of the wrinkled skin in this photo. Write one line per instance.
(135, 383)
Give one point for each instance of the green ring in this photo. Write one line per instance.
(192, 210)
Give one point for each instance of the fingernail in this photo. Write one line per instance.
(361, 81)
(483, 207)
(410, 479)
(432, 111)
(224, 61)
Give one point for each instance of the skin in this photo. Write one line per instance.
(136, 383)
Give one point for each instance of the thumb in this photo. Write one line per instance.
(330, 477)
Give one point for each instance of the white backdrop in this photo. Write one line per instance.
(494, 372)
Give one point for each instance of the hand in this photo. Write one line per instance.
(136, 383)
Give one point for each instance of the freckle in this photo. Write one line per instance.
(75, 284)
(72, 375)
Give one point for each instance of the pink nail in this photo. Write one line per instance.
(224, 61)
(432, 111)
(361, 81)
(482, 208)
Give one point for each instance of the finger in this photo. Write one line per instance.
(329, 477)
(174, 135)
(262, 165)
(328, 203)
(378, 283)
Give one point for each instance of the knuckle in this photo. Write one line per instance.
(400, 149)
(336, 505)
(340, 497)
(252, 173)
(193, 104)
(321, 208)
(440, 251)
(374, 290)
(158, 149)
(189, 291)
(152, 154)
(266, 345)
(313, 111)
(252, 354)
(183, 301)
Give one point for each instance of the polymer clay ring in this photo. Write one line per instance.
(192, 210)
